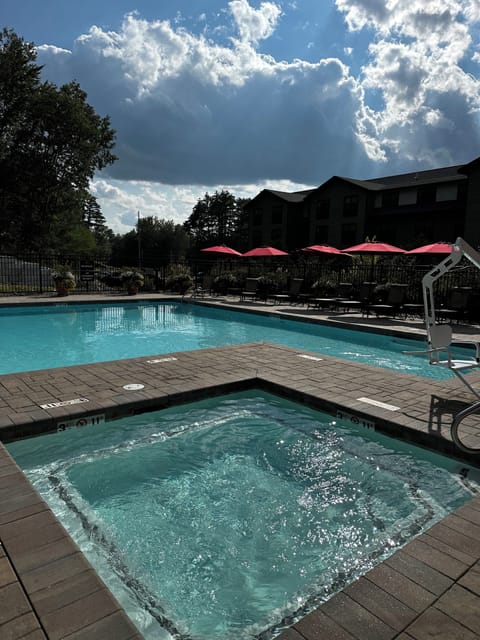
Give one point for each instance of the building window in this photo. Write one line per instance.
(427, 194)
(423, 229)
(390, 199)
(349, 233)
(277, 214)
(257, 239)
(406, 197)
(276, 236)
(350, 206)
(322, 210)
(257, 219)
(321, 234)
(446, 192)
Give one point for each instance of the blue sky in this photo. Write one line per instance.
(245, 95)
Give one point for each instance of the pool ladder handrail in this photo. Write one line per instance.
(464, 413)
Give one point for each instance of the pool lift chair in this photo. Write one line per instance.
(439, 336)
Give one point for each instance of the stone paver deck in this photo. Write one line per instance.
(428, 589)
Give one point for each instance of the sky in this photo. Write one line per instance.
(243, 95)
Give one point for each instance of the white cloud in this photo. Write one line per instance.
(122, 201)
(189, 110)
(416, 66)
(255, 24)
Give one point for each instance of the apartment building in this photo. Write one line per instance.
(405, 210)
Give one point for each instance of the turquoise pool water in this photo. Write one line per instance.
(232, 518)
(45, 336)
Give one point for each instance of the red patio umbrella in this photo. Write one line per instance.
(432, 249)
(374, 248)
(262, 252)
(322, 248)
(222, 249)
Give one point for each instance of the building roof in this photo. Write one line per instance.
(444, 174)
(404, 180)
(294, 196)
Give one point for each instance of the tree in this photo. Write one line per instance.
(95, 222)
(216, 219)
(51, 144)
(161, 242)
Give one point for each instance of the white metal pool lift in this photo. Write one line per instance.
(439, 336)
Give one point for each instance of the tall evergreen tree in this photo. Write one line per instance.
(216, 219)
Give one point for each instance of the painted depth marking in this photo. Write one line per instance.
(382, 405)
(99, 418)
(160, 360)
(304, 355)
(355, 420)
(65, 403)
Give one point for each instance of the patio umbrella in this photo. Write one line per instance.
(222, 249)
(322, 248)
(432, 249)
(263, 252)
(374, 249)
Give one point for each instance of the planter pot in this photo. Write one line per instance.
(132, 290)
(61, 289)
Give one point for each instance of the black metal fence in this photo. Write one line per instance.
(32, 274)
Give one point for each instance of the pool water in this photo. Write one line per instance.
(44, 337)
(233, 517)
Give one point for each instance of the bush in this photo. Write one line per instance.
(225, 281)
(179, 282)
(63, 276)
(323, 287)
(266, 286)
(131, 277)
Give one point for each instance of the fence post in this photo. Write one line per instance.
(40, 273)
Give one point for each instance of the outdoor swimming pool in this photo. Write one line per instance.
(42, 337)
(233, 517)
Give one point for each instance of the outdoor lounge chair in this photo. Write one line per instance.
(343, 293)
(251, 289)
(394, 303)
(457, 305)
(291, 295)
(440, 353)
(203, 287)
(362, 301)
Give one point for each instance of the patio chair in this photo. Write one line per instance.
(362, 301)
(291, 295)
(203, 287)
(394, 303)
(251, 289)
(440, 353)
(457, 305)
(343, 292)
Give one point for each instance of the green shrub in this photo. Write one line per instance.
(225, 281)
(323, 287)
(179, 282)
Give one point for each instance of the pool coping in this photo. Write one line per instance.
(47, 585)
